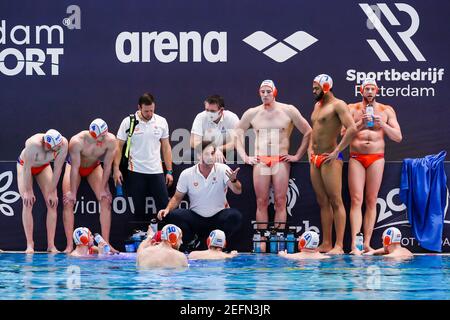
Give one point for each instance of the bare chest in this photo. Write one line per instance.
(274, 119)
(93, 150)
(324, 116)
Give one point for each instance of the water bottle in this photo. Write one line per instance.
(281, 243)
(119, 191)
(273, 242)
(370, 112)
(136, 238)
(256, 242)
(99, 239)
(360, 241)
(154, 226)
(129, 246)
(290, 239)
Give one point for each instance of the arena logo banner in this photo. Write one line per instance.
(168, 47)
(35, 49)
(280, 51)
(414, 82)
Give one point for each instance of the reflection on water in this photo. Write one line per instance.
(247, 276)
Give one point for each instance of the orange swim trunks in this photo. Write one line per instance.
(318, 159)
(269, 160)
(34, 170)
(84, 172)
(366, 159)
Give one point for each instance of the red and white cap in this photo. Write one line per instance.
(52, 138)
(81, 236)
(271, 85)
(325, 82)
(216, 239)
(391, 236)
(171, 233)
(268, 83)
(367, 82)
(97, 128)
(308, 240)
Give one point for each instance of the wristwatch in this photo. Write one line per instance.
(169, 172)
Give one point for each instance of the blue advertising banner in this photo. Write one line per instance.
(65, 63)
(302, 208)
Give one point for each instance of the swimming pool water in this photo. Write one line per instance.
(248, 276)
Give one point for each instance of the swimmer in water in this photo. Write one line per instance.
(164, 254)
(392, 247)
(84, 243)
(216, 242)
(308, 247)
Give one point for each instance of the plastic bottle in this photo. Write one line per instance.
(119, 191)
(273, 242)
(99, 239)
(136, 239)
(359, 241)
(290, 239)
(154, 226)
(370, 112)
(281, 241)
(256, 242)
(129, 246)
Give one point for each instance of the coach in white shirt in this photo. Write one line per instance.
(215, 124)
(145, 176)
(206, 184)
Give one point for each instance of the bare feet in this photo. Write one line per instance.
(30, 250)
(368, 249)
(356, 252)
(324, 247)
(336, 251)
(52, 250)
(68, 250)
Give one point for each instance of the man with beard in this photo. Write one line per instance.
(366, 163)
(328, 117)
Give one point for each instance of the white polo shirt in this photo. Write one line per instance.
(212, 131)
(207, 196)
(145, 151)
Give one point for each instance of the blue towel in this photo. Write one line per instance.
(423, 189)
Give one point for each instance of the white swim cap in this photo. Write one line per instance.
(52, 138)
(308, 240)
(325, 82)
(97, 128)
(81, 236)
(171, 233)
(367, 82)
(270, 84)
(216, 239)
(391, 236)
